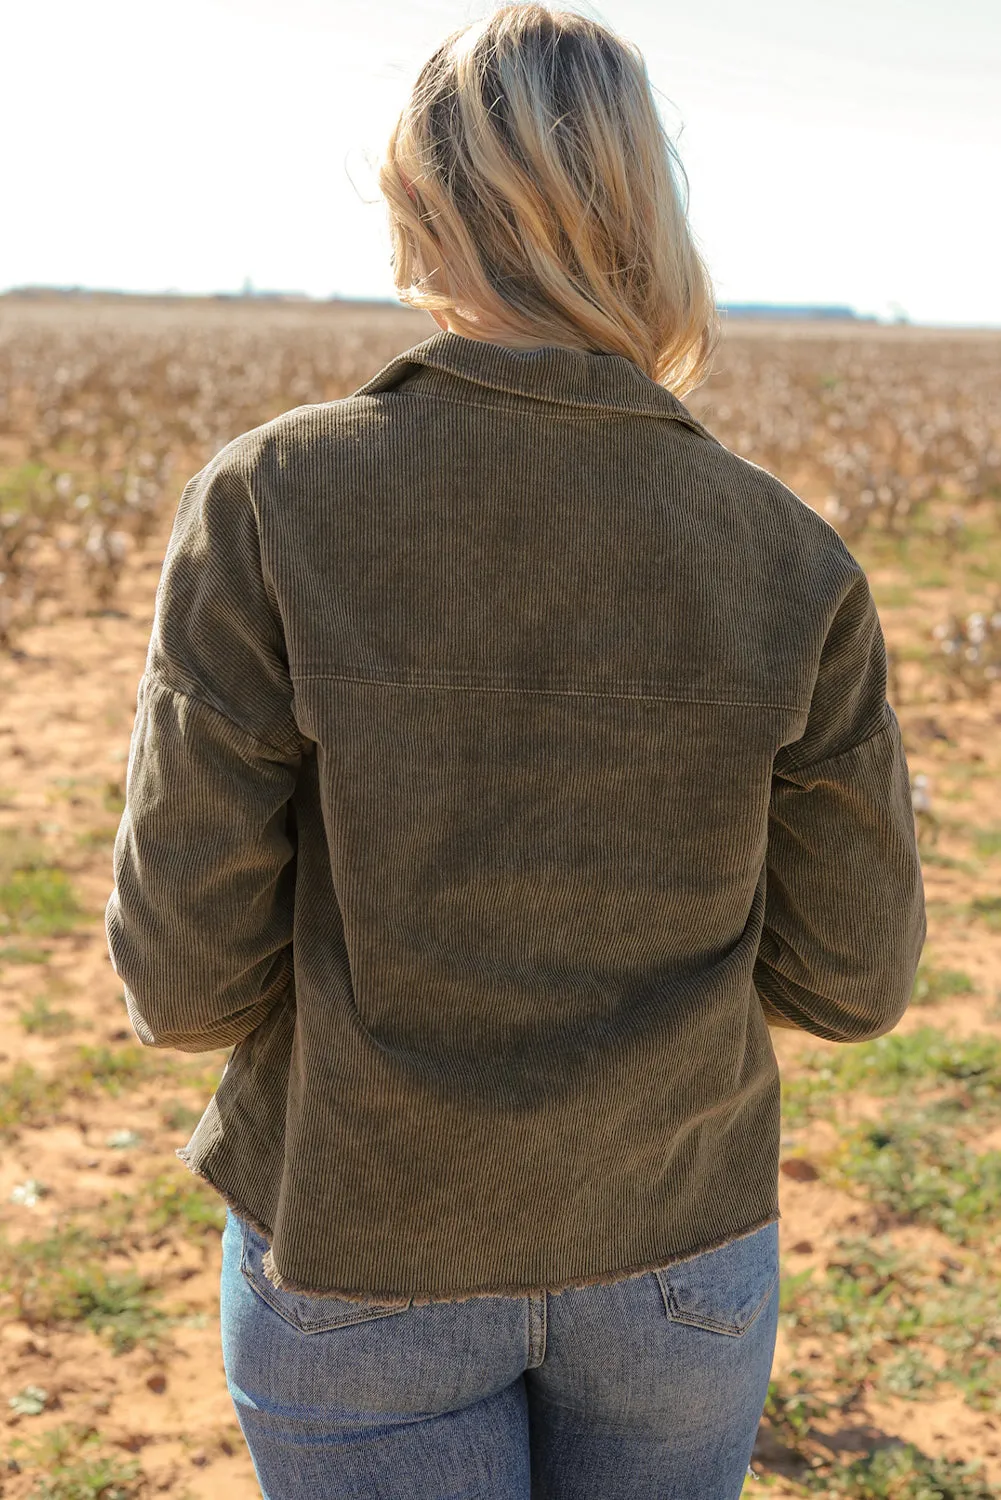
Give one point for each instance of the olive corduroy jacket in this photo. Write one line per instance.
(509, 756)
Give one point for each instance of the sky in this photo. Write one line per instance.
(837, 151)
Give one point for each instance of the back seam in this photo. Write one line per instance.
(462, 687)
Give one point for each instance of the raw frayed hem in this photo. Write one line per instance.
(426, 1299)
(228, 1199)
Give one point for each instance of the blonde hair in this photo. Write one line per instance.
(532, 194)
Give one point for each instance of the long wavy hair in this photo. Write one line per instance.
(533, 197)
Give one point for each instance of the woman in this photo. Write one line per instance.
(509, 757)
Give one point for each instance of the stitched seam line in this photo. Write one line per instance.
(812, 765)
(451, 687)
(279, 750)
(600, 413)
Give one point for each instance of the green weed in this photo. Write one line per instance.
(809, 1093)
(920, 1061)
(988, 842)
(792, 1413)
(935, 578)
(74, 1468)
(948, 862)
(117, 1305)
(925, 1058)
(932, 985)
(909, 1374)
(76, 790)
(932, 856)
(97, 838)
(178, 1116)
(40, 1019)
(899, 1471)
(913, 651)
(877, 1303)
(893, 595)
(26, 1096)
(36, 900)
(923, 1175)
(170, 1201)
(988, 909)
(63, 1280)
(109, 1069)
(962, 771)
(902, 1472)
(185, 1204)
(16, 953)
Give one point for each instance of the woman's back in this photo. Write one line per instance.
(549, 679)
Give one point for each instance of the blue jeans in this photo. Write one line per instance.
(651, 1388)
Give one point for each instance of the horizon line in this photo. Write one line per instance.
(820, 311)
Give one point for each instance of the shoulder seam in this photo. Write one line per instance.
(888, 722)
(158, 680)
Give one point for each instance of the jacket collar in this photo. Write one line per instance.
(554, 374)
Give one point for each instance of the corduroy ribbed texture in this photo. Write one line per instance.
(509, 756)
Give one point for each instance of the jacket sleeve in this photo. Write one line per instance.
(844, 920)
(199, 923)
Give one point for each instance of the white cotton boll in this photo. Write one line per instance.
(920, 795)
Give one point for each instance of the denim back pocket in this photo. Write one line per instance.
(723, 1290)
(307, 1314)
